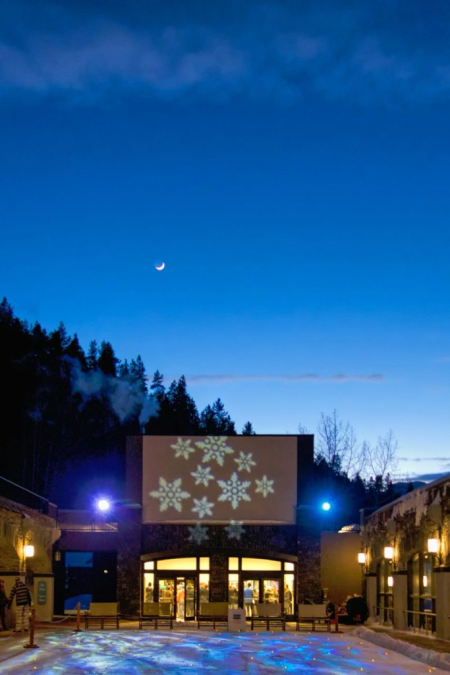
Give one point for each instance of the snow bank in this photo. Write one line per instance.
(427, 656)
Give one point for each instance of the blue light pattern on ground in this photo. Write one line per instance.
(158, 652)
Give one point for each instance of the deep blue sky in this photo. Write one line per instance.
(289, 165)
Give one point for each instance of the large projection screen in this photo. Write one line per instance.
(218, 479)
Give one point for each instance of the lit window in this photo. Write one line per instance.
(150, 565)
(204, 563)
(233, 563)
(177, 564)
(260, 564)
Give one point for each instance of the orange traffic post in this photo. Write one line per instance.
(78, 629)
(31, 644)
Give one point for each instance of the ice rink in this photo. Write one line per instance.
(133, 652)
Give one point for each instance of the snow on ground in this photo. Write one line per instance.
(133, 652)
(428, 656)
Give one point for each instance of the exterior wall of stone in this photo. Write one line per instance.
(19, 524)
(406, 524)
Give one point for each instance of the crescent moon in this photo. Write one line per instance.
(160, 267)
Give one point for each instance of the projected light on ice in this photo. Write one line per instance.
(177, 652)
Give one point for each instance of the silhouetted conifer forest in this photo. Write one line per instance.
(66, 414)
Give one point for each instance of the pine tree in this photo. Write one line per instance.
(248, 430)
(107, 361)
(137, 372)
(75, 351)
(92, 356)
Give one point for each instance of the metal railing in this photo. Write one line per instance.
(378, 610)
(427, 615)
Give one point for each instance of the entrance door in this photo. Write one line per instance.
(186, 598)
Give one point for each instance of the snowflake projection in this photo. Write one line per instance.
(203, 507)
(215, 447)
(235, 529)
(234, 490)
(264, 486)
(170, 494)
(198, 534)
(202, 475)
(245, 462)
(183, 448)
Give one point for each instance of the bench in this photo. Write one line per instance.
(267, 614)
(212, 612)
(156, 614)
(315, 614)
(102, 614)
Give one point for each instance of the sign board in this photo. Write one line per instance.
(42, 593)
(236, 619)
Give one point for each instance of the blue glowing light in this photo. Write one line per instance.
(103, 505)
(326, 506)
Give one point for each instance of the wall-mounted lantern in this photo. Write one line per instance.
(433, 545)
(362, 558)
(28, 550)
(390, 581)
(388, 552)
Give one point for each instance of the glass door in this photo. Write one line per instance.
(166, 593)
(251, 595)
(186, 598)
(271, 590)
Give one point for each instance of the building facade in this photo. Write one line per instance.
(407, 560)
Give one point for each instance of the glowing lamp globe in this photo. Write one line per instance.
(103, 505)
(28, 551)
(388, 552)
(362, 558)
(326, 506)
(433, 545)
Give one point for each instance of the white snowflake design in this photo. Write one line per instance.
(203, 507)
(202, 475)
(215, 447)
(198, 534)
(183, 448)
(245, 462)
(264, 486)
(170, 494)
(234, 490)
(235, 529)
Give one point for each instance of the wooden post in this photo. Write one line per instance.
(78, 629)
(31, 644)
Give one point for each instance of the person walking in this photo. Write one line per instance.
(3, 603)
(23, 603)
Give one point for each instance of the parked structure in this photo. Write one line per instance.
(405, 554)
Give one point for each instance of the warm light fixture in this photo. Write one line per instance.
(28, 550)
(57, 557)
(388, 552)
(362, 558)
(433, 545)
(390, 581)
(425, 581)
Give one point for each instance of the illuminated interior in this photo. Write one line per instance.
(182, 584)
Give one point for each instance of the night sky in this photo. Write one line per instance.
(288, 162)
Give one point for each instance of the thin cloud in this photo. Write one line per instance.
(306, 377)
(424, 459)
(277, 51)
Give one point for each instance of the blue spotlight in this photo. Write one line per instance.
(325, 506)
(103, 505)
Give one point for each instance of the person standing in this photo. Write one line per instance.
(23, 603)
(248, 599)
(3, 603)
